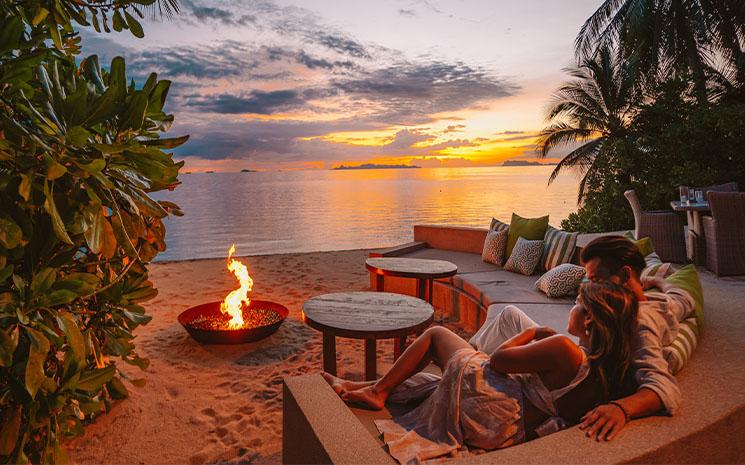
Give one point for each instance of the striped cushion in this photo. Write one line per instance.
(558, 247)
(678, 353)
(497, 225)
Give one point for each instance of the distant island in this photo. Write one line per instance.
(244, 170)
(209, 172)
(525, 163)
(375, 166)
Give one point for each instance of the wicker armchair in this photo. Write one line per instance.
(726, 187)
(725, 233)
(665, 228)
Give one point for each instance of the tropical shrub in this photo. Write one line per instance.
(80, 154)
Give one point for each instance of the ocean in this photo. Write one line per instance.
(306, 211)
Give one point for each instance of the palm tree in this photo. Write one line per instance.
(685, 36)
(594, 110)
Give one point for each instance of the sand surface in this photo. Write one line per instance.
(223, 404)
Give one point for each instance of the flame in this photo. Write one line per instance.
(235, 301)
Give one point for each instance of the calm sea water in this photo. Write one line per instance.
(304, 211)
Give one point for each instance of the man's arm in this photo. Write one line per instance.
(604, 422)
(658, 389)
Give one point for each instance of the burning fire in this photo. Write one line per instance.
(235, 301)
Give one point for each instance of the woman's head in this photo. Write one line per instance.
(605, 316)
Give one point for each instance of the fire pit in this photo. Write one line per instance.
(237, 319)
(200, 321)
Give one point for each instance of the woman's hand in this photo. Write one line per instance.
(604, 422)
(542, 332)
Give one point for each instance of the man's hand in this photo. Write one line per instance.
(542, 332)
(604, 422)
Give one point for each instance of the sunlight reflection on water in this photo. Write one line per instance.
(303, 211)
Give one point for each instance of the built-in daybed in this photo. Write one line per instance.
(320, 428)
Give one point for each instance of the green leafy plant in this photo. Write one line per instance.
(80, 153)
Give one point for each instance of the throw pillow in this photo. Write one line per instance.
(494, 246)
(678, 353)
(561, 280)
(558, 247)
(529, 228)
(660, 270)
(525, 256)
(687, 279)
(497, 225)
(644, 244)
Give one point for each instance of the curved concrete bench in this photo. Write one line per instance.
(319, 428)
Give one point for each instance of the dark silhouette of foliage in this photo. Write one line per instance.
(80, 153)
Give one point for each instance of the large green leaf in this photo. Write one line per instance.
(37, 355)
(51, 208)
(10, 234)
(93, 380)
(72, 334)
(134, 26)
(10, 430)
(8, 345)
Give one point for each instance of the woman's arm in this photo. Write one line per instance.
(551, 353)
(527, 335)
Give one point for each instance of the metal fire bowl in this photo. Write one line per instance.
(230, 336)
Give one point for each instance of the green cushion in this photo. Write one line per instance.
(531, 229)
(687, 279)
(644, 244)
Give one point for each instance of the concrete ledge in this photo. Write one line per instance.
(459, 238)
(319, 428)
(399, 250)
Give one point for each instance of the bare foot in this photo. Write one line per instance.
(366, 396)
(337, 384)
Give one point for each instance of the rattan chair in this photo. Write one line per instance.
(726, 187)
(725, 233)
(664, 228)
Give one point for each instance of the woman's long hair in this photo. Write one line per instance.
(613, 309)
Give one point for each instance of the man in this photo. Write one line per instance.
(616, 259)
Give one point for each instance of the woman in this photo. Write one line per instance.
(528, 387)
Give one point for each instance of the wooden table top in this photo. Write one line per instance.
(690, 207)
(361, 315)
(411, 267)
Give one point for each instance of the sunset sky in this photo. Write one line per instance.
(314, 84)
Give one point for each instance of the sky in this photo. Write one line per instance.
(314, 84)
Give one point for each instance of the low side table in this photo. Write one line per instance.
(425, 271)
(365, 315)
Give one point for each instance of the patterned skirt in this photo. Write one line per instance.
(472, 408)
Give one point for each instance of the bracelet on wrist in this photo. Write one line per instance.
(625, 413)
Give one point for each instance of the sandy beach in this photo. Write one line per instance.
(222, 404)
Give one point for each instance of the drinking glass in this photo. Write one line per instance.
(699, 196)
(684, 194)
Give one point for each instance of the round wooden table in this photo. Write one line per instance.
(365, 315)
(425, 271)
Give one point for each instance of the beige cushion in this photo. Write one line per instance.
(495, 245)
(525, 256)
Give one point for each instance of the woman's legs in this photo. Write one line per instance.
(341, 386)
(436, 344)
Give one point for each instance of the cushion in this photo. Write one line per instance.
(497, 225)
(495, 245)
(525, 256)
(658, 270)
(644, 244)
(530, 228)
(561, 280)
(558, 247)
(687, 279)
(678, 353)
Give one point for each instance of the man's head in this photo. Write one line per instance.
(615, 259)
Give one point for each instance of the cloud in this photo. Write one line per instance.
(259, 102)
(410, 13)
(409, 92)
(341, 44)
(220, 60)
(454, 128)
